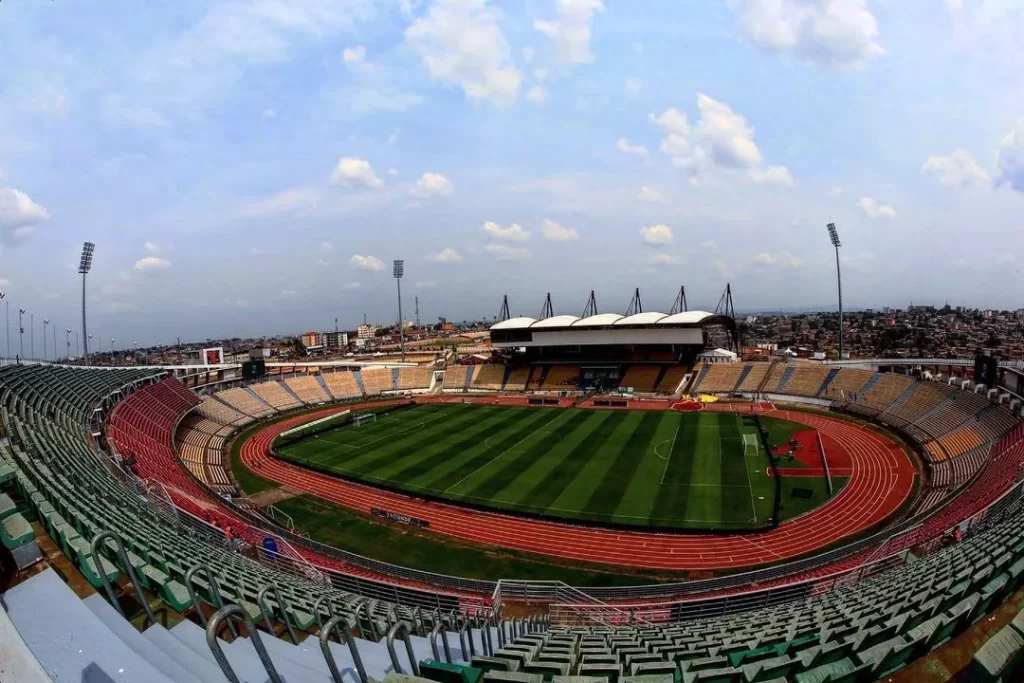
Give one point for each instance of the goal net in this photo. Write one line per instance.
(749, 444)
(360, 420)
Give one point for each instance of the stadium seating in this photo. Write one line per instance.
(670, 381)
(642, 378)
(517, 379)
(720, 378)
(246, 402)
(414, 378)
(805, 380)
(342, 385)
(376, 380)
(756, 375)
(455, 377)
(776, 373)
(276, 395)
(848, 383)
(561, 377)
(490, 378)
(218, 411)
(308, 390)
(925, 398)
(886, 389)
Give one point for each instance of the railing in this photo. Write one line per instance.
(566, 605)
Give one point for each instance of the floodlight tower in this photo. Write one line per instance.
(833, 235)
(46, 321)
(67, 341)
(21, 333)
(7, 305)
(399, 271)
(83, 267)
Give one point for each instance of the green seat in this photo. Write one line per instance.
(1018, 622)
(7, 506)
(886, 657)
(15, 531)
(512, 677)
(826, 672)
(449, 673)
(999, 658)
(88, 567)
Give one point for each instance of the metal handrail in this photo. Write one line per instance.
(281, 605)
(408, 648)
(325, 647)
(316, 608)
(227, 612)
(485, 635)
(466, 626)
(501, 633)
(122, 554)
(218, 602)
(369, 618)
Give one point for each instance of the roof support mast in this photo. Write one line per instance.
(547, 311)
(679, 306)
(591, 307)
(635, 304)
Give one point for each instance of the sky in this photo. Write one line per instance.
(252, 167)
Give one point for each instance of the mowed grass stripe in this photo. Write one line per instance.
(517, 462)
(545, 487)
(736, 505)
(490, 448)
(421, 471)
(609, 492)
(704, 499)
(673, 494)
(642, 492)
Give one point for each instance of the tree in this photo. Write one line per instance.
(300, 350)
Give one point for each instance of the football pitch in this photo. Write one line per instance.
(704, 470)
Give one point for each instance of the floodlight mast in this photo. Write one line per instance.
(833, 235)
(399, 272)
(84, 266)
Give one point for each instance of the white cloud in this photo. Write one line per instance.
(1010, 161)
(393, 138)
(285, 201)
(721, 139)
(349, 286)
(431, 185)
(151, 264)
(461, 44)
(392, 171)
(506, 252)
(152, 248)
(4, 282)
(657, 235)
(354, 56)
(829, 33)
(269, 113)
(959, 169)
(367, 262)
(50, 102)
(557, 233)
(626, 148)
(528, 54)
(257, 251)
(649, 194)
(834, 191)
(425, 284)
(355, 172)
(664, 259)
(634, 84)
(537, 94)
(570, 30)
(513, 233)
(18, 215)
(875, 211)
(780, 259)
(446, 255)
(326, 253)
(541, 74)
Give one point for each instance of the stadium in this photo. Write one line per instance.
(786, 520)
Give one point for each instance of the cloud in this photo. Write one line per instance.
(286, 201)
(18, 215)
(834, 191)
(657, 235)
(506, 252)
(431, 185)
(446, 255)
(634, 84)
(354, 56)
(959, 169)
(461, 45)
(367, 262)
(269, 113)
(425, 284)
(721, 140)
(151, 264)
(355, 172)
(153, 249)
(537, 94)
(664, 259)
(4, 282)
(649, 194)
(349, 286)
(570, 30)
(557, 233)
(257, 251)
(779, 259)
(513, 233)
(326, 253)
(875, 211)
(827, 33)
(1010, 161)
(626, 148)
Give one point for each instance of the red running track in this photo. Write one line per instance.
(881, 479)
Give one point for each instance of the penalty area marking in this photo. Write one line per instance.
(391, 435)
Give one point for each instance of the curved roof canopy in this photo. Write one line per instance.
(513, 324)
(598, 320)
(686, 318)
(648, 318)
(555, 321)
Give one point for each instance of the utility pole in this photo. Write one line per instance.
(417, 311)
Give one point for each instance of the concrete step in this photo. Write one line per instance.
(136, 641)
(246, 666)
(204, 670)
(286, 659)
(71, 642)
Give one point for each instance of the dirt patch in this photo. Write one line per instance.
(270, 496)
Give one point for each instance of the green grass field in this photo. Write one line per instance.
(702, 470)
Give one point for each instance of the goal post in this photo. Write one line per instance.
(360, 420)
(749, 441)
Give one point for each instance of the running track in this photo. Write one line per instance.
(881, 479)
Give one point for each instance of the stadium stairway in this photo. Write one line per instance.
(89, 641)
(785, 379)
(359, 382)
(828, 380)
(743, 375)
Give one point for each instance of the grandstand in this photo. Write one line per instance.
(376, 381)
(491, 378)
(803, 630)
(342, 385)
(246, 402)
(308, 390)
(414, 378)
(276, 395)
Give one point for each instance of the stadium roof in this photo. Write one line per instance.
(598, 320)
(556, 321)
(648, 318)
(513, 324)
(686, 318)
